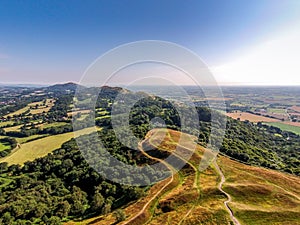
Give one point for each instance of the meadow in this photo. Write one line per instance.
(286, 127)
(40, 147)
(4, 146)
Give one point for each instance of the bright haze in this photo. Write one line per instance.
(243, 42)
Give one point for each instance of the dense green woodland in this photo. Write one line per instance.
(62, 185)
(59, 187)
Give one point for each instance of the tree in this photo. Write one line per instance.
(63, 209)
(3, 167)
(54, 220)
(119, 215)
(97, 202)
(7, 218)
(79, 201)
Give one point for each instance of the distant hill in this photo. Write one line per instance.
(66, 87)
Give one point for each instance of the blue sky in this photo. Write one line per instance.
(55, 41)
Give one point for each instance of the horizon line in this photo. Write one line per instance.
(229, 84)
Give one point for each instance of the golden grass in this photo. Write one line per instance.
(296, 108)
(73, 113)
(3, 124)
(39, 110)
(14, 128)
(259, 191)
(18, 112)
(251, 117)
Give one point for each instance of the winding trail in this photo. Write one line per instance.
(157, 193)
(172, 170)
(235, 221)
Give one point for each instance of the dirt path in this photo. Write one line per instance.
(235, 221)
(157, 194)
(196, 179)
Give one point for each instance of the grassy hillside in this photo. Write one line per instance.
(259, 196)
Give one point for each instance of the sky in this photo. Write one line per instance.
(243, 42)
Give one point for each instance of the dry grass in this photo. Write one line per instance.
(3, 124)
(14, 128)
(18, 112)
(251, 117)
(264, 192)
(40, 109)
(73, 113)
(296, 108)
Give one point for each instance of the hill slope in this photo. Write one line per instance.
(259, 196)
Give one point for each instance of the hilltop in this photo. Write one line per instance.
(259, 196)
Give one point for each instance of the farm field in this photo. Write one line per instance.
(31, 107)
(296, 124)
(14, 128)
(41, 108)
(41, 147)
(296, 108)
(3, 124)
(276, 110)
(4, 146)
(73, 113)
(251, 117)
(18, 112)
(54, 124)
(30, 138)
(286, 127)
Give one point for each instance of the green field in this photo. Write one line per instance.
(285, 127)
(4, 146)
(277, 110)
(41, 147)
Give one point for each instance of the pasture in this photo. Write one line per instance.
(286, 127)
(41, 147)
(251, 117)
